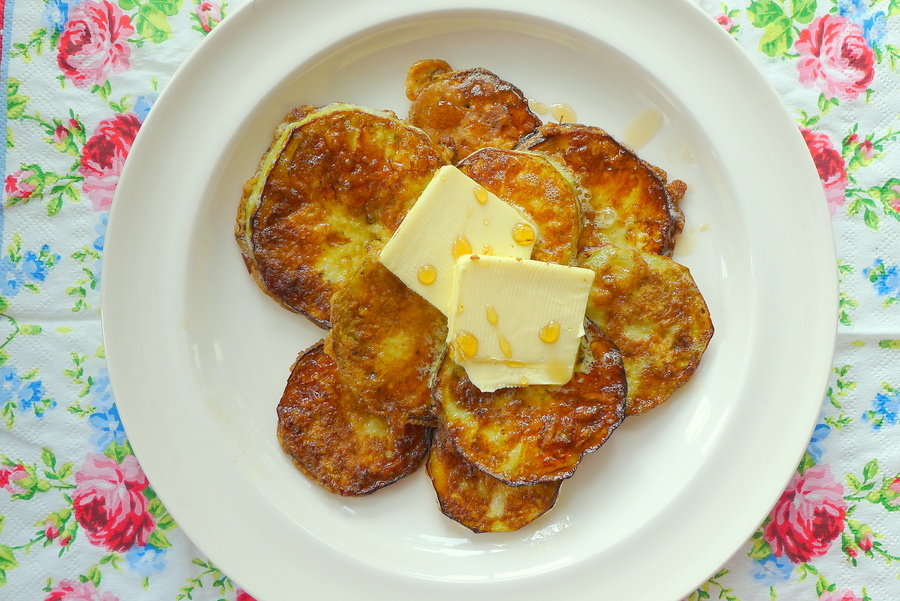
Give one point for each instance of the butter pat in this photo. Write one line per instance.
(517, 322)
(454, 216)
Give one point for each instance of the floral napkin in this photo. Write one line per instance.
(78, 519)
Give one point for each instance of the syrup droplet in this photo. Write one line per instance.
(538, 107)
(505, 346)
(562, 113)
(461, 247)
(487, 250)
(523, 381)
(523, 234)
(481, 195)
(550, 332)
(467, 344)
(427, 274)
(644, 127)
(492, 316)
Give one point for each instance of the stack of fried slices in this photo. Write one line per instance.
(379, 395)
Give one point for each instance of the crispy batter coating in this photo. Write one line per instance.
(540, 188)
(651, 308)
(334, 180)
(333, 440)
(466, 110)
(627, 201)
(387, 341)
(480, 502)
(535, 433)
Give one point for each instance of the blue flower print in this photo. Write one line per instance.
(107, 429)
(875, 28)
(24, 270)
(853, 9)
(26, 393)
(816, 449)
(11, 277)
(874, 25)
(885, 407)
(885, 279)
(100, 230)
(102, 394)
(105, 420)
(146, 560)
(143, 105)
(56, 14)
(35, 266)
(772, 569)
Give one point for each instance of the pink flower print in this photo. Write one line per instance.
(808, 517)
(20, 184)
(841, 595)
(829, 164)
(243, 595)
(725, 21)
(73, 590)
(94, 43)
(110, 505)
(835, 57)
(10, 476)
(209, 14)
(104, 156)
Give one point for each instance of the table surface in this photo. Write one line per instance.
(78, 518)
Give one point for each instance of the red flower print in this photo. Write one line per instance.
(109, 503)
(73, 590)
(209, 14)
(841, 595)
(94, 43)
(835, 57)
(10, 476)
(725, 21)
(808, 517)
(104, 156)
(51, 528)
(829, 164)
(243, 595)
(19, 184)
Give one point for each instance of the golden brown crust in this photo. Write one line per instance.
(627, 201)
(422, 74)
(387, 342)
(333, 181)
(651, 308)
(466, 110)
(535, 433)
(537, 186)
(478, 501)
(333, 440)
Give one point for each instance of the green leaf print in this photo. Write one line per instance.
(152, 24)
(777, 38)
(764, 12)
(803, 11)
(16, 103)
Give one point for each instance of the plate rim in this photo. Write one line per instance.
(114, 316)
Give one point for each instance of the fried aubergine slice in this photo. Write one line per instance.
(651, 308)
(626, 201)
(333, 180)
(478, 501)
(333, 440)
(537, 186)
(532, 434)
(387, 341)
(466, 110)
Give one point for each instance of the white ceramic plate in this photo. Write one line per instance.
(198, 355)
